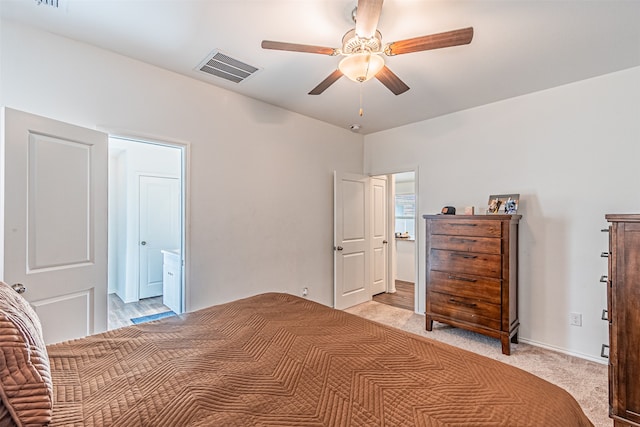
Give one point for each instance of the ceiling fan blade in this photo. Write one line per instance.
(326, 83)
(294, 47)
(391, 81)
(433, 41)
(367, 17)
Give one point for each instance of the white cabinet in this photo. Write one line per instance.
(172, 280)
(405, 260)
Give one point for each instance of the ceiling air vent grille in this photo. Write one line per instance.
(220, 65)
(53, 3)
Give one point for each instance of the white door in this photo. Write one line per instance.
(351, 240)
(379, 241)
(54, 193)
(159, 229)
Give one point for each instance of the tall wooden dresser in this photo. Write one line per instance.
(472, 274)
(623, 304)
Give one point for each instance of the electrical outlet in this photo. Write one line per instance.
(305, 292)
(575, 319)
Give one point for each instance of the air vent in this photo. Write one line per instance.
(220, 65)
(53, 3)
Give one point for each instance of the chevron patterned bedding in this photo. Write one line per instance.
(279, 360)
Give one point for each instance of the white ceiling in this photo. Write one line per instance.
(519, 47)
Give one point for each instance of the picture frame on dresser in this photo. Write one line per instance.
(506, 204)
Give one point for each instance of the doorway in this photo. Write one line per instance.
(401, 290)
(146, 229)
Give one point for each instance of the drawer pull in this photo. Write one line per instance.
(465, 256)
(603, 278)
(463, 279)
(605, 230)
(466, 304)
(465, 225)
(459, 240)
(604, 254)
(602, 351)
(605, 314)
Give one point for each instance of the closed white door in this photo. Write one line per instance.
(351, 240)
(379, 241)
(159, 229)
(54, 193)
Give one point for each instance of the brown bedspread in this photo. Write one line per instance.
(279, 360)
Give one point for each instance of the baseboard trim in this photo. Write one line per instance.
(404, 282)
(564, 351)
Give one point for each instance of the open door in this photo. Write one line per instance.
(352, 241)
(54, 198)
(379, 238)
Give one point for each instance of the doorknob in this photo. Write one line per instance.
(385, 242)
(19, 288)
(339, 248)
(143, 243)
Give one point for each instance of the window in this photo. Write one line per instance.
(406, 214)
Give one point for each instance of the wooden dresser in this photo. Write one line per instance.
(623, 305)
(472, 274)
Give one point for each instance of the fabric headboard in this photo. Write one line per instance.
(26, 390)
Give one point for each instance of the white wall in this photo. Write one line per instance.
(572, 153)
(260, 202)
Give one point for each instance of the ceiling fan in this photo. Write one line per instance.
(362, 48)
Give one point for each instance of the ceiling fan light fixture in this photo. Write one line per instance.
(362, 66)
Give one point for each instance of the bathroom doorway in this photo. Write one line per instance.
(146, 229)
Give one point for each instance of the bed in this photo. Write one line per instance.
(270, 360)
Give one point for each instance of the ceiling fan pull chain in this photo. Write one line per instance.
(360, 112)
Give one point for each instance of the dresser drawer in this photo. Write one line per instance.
(487, 245)
(486, 265)
(467, 286)
(470, 227)
(466, 309)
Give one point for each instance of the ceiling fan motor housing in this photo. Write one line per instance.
(352, 43)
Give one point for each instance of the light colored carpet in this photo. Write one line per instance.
(585, 380)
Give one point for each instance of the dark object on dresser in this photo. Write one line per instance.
(448, 210)
(623, 300)
(472, 274)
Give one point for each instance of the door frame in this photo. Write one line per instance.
(391, 253)
(185, 148)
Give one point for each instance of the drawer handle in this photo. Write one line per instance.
(603, 278)
(466, 304)
(462, 279)
(465, 225)
(602, 351)
(459, 240)
(605, 314)
(604, 254)
(465, 256)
